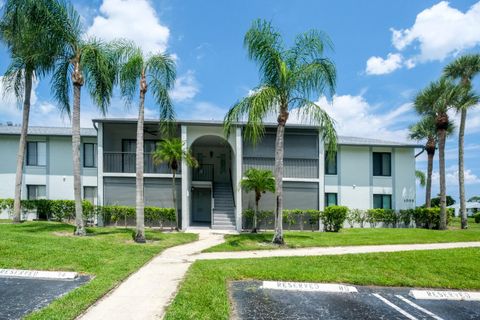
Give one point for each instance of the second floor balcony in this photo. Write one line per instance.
(125, 162)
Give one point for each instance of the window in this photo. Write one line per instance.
(89, 155)
(382, 164)
(35, 192)
(330, 164)
(330, 199)
(382, 201)
(36, 153)
(90, 194)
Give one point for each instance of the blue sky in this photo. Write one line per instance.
(384, 52)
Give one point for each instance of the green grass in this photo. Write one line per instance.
(108, 254)
(349, 237)
(203, 294)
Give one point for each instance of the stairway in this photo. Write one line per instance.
(224, 209)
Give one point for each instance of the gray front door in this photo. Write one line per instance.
(201, 205)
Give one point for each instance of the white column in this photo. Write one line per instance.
(321, 173)
(100, 199)
(185, 177)
(239, 176)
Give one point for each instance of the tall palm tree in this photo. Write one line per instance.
(435, 100)
(289, 77)
(33, 35)
(137, 73)
(172, 152)
(258, 181)
(426, 129)
(82, 62)
(465, 69)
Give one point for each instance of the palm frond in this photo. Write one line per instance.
(14, 79)
(463, 68)
(254, 108)
(309, 46)
(61, 84)
(258, 180)
(130, 71)
(420, 175)
(315, 77)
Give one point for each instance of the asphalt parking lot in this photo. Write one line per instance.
(19, 297)
(254, 300)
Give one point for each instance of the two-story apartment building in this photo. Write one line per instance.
(364, 173)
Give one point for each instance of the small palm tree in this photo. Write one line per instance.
(465, 69)
(423, 130)
(31, 31)
(435, 101)
(420, 175)
(289, 77)
(172, 152)
(87, 62)
(258, 181)
(137, 73)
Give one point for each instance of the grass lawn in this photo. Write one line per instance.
(349, 237)
(109, 254)
(203, 294)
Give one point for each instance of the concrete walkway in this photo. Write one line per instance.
(146, 293)
(316, 251)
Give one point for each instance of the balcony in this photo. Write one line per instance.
(124, 162)
(203, 173)
(292, 168)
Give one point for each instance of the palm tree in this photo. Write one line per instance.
(435, 101)
(258, 181)
(136, 74)
(32, 33)
(464, 68)
(426, 129)
(82, 62)
(420, 175)
(172, 152)
(288, 78)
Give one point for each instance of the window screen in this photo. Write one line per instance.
(381, 164)
(382, 201)
(331, 199)
(35, 192)
(89, 155)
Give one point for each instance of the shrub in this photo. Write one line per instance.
(356, 216)
(406, 216)
(333, 218)
(476, 216)
(429, 218)
(313, 218)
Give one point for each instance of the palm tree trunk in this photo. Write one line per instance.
(255, 213)
(22, 146)
(77, 182)
(443, 188)
(279, 150)
(174, 195)
(428, 187)
(461, 168)
(139, 200)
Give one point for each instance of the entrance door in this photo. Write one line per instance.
(202, 205)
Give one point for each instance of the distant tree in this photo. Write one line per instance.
(465, 68)
(172, 152)
(137, 73)
(474, 199)
(420, 175)
(82, 62)
(289, 77)
(31, 32)
(436, 201)
(259, 181)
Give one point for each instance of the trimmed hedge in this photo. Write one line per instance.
(61, 210)
(295, 219)
(476, 216)
(333, 218)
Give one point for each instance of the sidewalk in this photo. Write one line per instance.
(322, 251)
(146, 293)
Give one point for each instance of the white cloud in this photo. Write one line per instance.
(355, 116)
(186, 87)
(135, 20)
(451, 177)
(441, 31)
(378, 65)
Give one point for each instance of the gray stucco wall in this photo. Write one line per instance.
(158, 192)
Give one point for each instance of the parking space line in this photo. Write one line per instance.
(416, 306)
(394, 306)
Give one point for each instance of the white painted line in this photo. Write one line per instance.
(37, 274)
(308, 286)
(416, 306)
(405, 313)
(445, 295)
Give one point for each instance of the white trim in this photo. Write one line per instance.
(308, 287)
(100, 165)
(445, 295)
(184, 177)
(37, 274)
(238, 176)
(301, 179)
(145, 175)
(321, 173)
